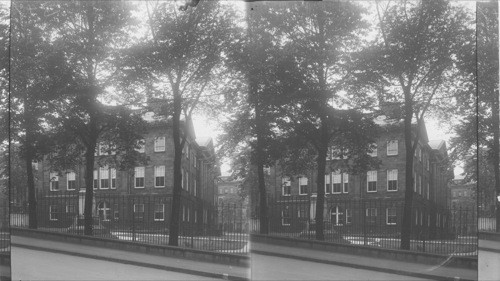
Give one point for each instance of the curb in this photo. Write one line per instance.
(486, 249)
(136, 263)
(359, 266)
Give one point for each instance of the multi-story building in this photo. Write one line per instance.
(374, 197)
(142, 193)
(463, 205)
(233, 207)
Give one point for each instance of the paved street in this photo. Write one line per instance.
(42, 258)
(38, 265)
(489, 260)
(275, 268)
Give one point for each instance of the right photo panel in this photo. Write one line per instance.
(364, 138)
(486, 164)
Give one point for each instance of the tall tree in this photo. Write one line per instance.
(320, 37)
(4, 73)
(86, 35)
(412, 62)
(36, 76)
(177, 65)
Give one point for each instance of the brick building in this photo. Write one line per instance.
(463, 203)
(233, 208)
(143, 194)
(373, 198)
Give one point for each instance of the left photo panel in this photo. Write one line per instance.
(5, 180)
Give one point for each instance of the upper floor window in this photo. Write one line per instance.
(373, 153)
(392, 180)
(345, 178)
(392, 147)
(104, 176)
(286, 186)
(141, 146)
(371, 181)
(71, 181)
(139, 177)
(54, 181)
(113, 178)
(419, 153)
(327, 184)
(159, 144)
(159, 176)
(303, 186)
(95, 181)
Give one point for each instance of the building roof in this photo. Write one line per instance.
(203, 141)
(437, 144)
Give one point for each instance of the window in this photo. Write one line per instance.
(54, 181)
(113, 178)
(139, 211)
(54, 212)
(286, 186)
(159, 214)
(195, 216)
(348, 216)
(345, 178)
(285, 216)
(373, 153)
(337, 216)
(303, 186)
(116, 212)
(71, 209)
(419, 153)
(139, 177)
(392, 180)
(106, 149)
(186, 150)
(159, 176)
(141, 146)
(419, 184)
(327, 184)
(392, 147)
(187, 181)
(195, 187)
(371, 215)
(371, 180)
(337, 184)
(71, 181)
(390, 217)
(428, 191)
(104, 211)
(195, 161)
(188, 213)
(414, 182)
(159, 144)
(96, 179)
(104, 172)
(183, 213)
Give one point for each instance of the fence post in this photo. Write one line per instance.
(133, 220)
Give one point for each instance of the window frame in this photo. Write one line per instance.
(104, 178)
(392, 147)
(368, 181)
(158, 146)
(54, 215)
(390, 174)
(162, 212)
(286, 184)
(301, 185)
(137, 213)
(136, 177)
(159, 173)
(71, 180)
(54, 181)
(392, 215)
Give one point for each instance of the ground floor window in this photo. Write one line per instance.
(285, 217)
(139, 211)
(337, 216)
(71, 209)
(104, 211)
(371, 215)
(54, 212)
(159, 214)
(391, 218)
(116, 212)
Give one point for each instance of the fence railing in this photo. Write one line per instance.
(141, 218)
(375, 223)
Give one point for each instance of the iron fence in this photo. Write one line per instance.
(486, 211)
(375, 223)
(141, 218)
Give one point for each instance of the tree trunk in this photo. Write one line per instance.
(408, 203)
(496, 156)
(320, 187)
(259, 151)
(89, 189)
(33, 222)
(176, 196)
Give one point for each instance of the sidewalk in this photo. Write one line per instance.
(194, 267)
(435, 272)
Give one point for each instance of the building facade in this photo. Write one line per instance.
(375, 197)
(232, 206)
(141, 195)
